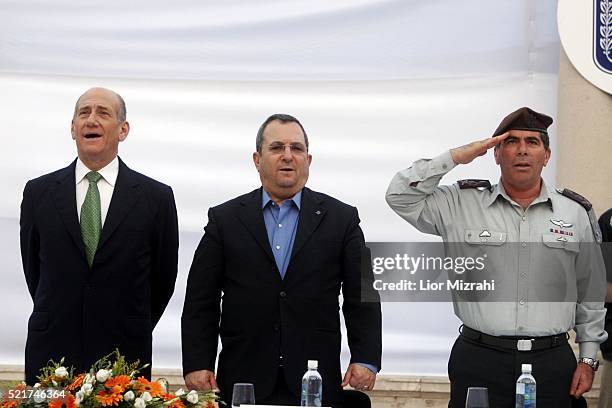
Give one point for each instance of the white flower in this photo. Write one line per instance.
(139, 403)
(61, 372)
(146, 396)
(102, 375)
(164, 384)
(129, 396)
(192, 397)
(179, 392)
(89, 378)
(87, 388)
(54, 383)
(37, 385)
(80, 396)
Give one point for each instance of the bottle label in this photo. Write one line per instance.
(520, 388)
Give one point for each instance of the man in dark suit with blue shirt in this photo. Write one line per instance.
(99, 245)
(266, 278)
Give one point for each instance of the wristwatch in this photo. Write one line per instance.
(594, 364)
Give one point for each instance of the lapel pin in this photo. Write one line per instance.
(318, 212)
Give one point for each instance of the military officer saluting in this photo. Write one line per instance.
(536, 238)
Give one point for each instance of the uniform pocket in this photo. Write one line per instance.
(561, 242)
(484, 237)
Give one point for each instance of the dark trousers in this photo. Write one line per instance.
(282, 396)
(473, 364)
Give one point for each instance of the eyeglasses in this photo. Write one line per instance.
(294, 148)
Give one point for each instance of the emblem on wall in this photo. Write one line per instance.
(602, 34)
(585, 29)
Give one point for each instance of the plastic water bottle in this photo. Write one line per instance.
(312, 386)
(526, 388)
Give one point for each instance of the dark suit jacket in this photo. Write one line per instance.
(235, 290)
(84, 313)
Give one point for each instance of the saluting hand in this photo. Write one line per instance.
(466, 154)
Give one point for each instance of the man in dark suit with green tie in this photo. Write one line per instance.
(99, 245)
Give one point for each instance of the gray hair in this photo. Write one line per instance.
(282, 118)
(545, 139)
(543, 136)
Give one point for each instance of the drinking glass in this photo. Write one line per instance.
(477, 397)
(243, 393)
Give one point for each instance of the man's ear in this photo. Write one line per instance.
(123, 132)
(547, 156)
(256, 159)
(72, 130)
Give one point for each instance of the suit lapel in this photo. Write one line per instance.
(125, 195)
(312, 212)
(253, 220)
(64, 196)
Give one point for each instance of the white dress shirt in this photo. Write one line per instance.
(106, 185)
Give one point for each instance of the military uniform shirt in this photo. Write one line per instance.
(489, 217)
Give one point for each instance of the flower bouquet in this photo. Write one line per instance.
(111, 382)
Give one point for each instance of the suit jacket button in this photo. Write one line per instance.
(283, 294)
(276, 327)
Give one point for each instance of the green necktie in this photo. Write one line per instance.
(91, 216)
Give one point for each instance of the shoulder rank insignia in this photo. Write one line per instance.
(572, 195)
(474, 183)
(586, 204)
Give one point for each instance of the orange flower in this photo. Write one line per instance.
(210, 404)
(67, 401)
(177, 403)
(13, 396)
(154, 388)
(76, 383)
(107, 399)
(121, 381)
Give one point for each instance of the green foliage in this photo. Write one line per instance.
(116, 362)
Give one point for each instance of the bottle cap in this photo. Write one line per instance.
(313, 364)
(526, 368)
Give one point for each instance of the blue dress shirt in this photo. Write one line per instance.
(281, 224)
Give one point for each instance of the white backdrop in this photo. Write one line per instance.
(377, 84)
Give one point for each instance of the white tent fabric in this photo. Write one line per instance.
(377, 85)
(276, 40)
